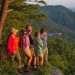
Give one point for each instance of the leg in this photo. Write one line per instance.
(29, 60)
(25, 60)
(37, 62)
(41, 59)
(34, 62)
(29, 57)
(34, 58)
(46, 55)
(18, 59)
(12, 57)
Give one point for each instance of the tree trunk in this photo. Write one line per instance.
(3, 14)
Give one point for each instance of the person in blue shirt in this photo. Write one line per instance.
(45, 48)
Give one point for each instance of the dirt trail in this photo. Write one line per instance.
(29, 73)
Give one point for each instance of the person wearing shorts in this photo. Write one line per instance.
(38, 45)
(44, 39)
(31, 39)
(25, 43)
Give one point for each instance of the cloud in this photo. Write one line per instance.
(68, 3)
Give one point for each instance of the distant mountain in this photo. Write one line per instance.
(59, 19)
(73, 9)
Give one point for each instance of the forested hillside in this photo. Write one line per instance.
(59, 19)
(54, 19)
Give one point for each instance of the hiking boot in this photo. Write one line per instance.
(20, 70)
(28, 68)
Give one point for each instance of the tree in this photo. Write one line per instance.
(4, 10)
(3, 14)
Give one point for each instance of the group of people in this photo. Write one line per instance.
(35, 50)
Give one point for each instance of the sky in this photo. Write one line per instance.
(67, 3)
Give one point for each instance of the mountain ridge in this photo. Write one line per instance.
(59, 19)
(73, 9)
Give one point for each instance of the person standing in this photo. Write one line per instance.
(12, 48)
(44, 39)
(38, 45)
(31, 39)
(25, 43)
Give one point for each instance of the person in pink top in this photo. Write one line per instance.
(24, 44)
(12, 48)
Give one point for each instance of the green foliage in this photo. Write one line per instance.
(6, 69)
(58, 61)
(46, 69)
(5, 64)
(21, 16)
(62, 54)
(61, 51)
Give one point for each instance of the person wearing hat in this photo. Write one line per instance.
(12, 47)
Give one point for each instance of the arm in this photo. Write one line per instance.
(9, 45)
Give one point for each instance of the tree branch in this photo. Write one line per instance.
(10, 10)
(12, 1)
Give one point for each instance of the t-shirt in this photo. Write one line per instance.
(12, 43)
(38, 44)
(44, 39)
(24, 42)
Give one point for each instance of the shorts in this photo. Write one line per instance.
(27, 51)
(38, 52)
